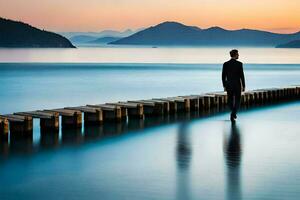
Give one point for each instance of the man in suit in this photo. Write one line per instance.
(233, 82)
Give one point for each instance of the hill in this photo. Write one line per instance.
(19, 34)
(292, 44)
(174, 33)
(104, 40)
(82, 39)
(104, 33)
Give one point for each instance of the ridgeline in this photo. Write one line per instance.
(15, 34)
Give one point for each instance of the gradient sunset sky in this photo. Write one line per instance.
(96, 15)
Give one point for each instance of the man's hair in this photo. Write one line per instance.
(234, 52)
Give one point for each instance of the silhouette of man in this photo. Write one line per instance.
(233, 82)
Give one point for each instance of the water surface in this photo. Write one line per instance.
(203, 158)
(31, 86)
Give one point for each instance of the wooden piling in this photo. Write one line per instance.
(92, 116)
(194, 102)
(183, 103)
(134, 110)
(165, 104)
(70, 118)
(48, 121)
(19, 124)
(150, 107)
(210, 101)
(173, 105)
(110, 112)
(4, 128)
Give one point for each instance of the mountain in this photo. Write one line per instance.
(174, 33)
(82, 38)
(19, 34)
(104, 40)
(105, 33)
(292, 44)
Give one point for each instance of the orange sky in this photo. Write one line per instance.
(96, 15)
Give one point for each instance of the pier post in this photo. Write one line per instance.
(183, 104)
(69, 118)
(207, 102)
(22, 125)
(3, 127)
(112, 115)
(298, 91)
(133, 110)
(110, 112)
(93, 118)
(50, 124)
(73, 121)
(193, 102)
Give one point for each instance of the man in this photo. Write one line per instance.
(233, 82)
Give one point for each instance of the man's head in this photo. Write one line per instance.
(234, 54)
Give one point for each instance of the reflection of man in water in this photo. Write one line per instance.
(233, 153)
(183, 159)
(233, 82)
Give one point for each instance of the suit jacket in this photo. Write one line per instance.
(233, 75)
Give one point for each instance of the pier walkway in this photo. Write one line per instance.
(21, 123)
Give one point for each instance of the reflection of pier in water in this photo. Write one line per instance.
(20, 144)
(233, 156)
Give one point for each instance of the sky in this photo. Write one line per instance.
(281, 16)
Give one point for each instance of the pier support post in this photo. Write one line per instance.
(73, 121)
(298, 92)
(21, 126)
(207, 103)
(194, 102)
(3, 127)
(50, 124)
(137, 112)
(93, 118)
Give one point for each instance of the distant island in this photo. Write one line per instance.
(86, 39)
(104, 40)
(292, 44)
(104, 33)
(15, 34)
(176, 34)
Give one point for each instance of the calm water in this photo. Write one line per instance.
(203, 158)
(39, 86)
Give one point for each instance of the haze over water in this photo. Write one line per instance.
(146, 54)
(205, 158)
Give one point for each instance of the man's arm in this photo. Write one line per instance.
(242, 77)
(224, 76)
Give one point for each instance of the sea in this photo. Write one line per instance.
(181, 157)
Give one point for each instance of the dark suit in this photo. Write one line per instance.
(233, 79)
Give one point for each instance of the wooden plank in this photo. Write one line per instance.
(12, 117)
(84, 109)
(125, 104)
(104, 107)
(36, 114)
(110, 112)
(135, 110)
(165, 104)
(178, 99)
(144, 102)
(63, 112)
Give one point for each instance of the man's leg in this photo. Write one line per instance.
(230, 99)
(237, 102)
(230, 96)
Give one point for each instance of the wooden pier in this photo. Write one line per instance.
(21, 123)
